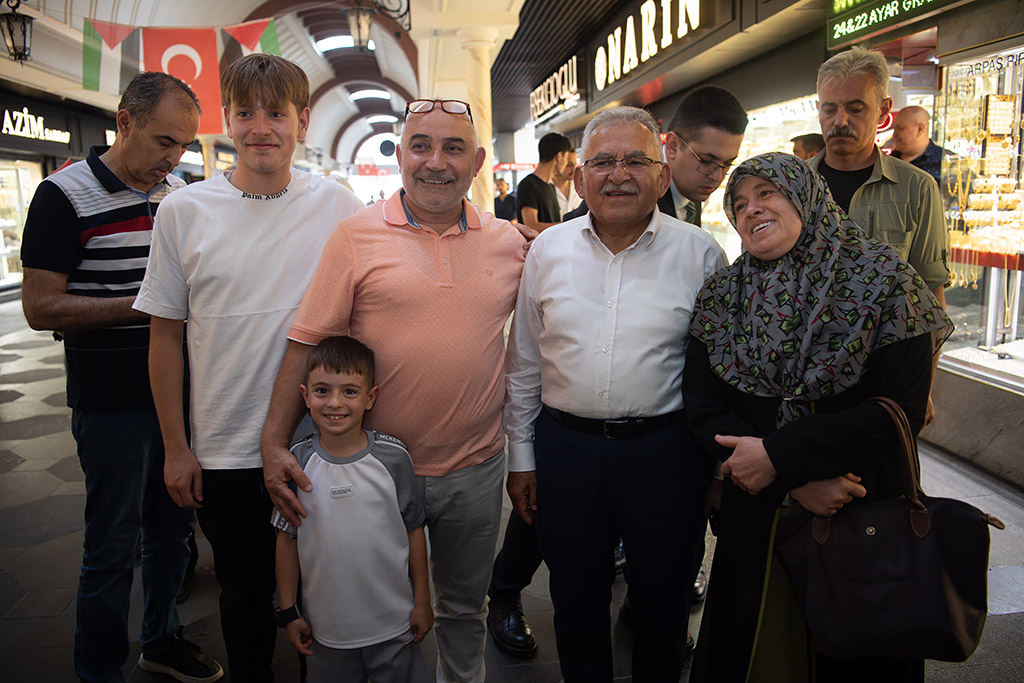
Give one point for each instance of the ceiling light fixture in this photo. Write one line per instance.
(366, 94)
(360, 19)
(382, 118)
(17, 30)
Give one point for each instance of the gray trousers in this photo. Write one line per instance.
(398, 660)
(463, 516)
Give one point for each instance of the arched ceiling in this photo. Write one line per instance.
(333, 75)
(429, 62)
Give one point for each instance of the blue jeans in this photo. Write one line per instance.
(122, 456)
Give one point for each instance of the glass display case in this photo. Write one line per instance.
(978, 117)
(18, 181)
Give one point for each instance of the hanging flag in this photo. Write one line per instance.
(110, 56)
(261, 33)
(253, 36)
(191, 55)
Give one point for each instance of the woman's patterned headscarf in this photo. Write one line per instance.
(804, 325)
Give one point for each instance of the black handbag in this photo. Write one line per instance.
(904, 577)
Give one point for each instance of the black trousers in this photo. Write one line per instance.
(517, 561)
(236, 520)
(648, 490)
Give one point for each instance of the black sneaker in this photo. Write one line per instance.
(183, 661)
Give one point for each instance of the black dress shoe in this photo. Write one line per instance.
(510, 630)
(700, 586)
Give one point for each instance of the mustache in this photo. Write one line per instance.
(164, 167)
(841, 131)
(627, 187)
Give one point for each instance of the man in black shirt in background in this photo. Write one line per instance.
(538, 204)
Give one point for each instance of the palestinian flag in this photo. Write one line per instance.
(110, 56)
(252, 36)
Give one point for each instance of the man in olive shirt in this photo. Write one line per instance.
(893, 201)
(890, 199)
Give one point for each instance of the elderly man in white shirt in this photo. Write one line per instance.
(598, 441)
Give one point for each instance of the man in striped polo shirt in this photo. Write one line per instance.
(86, 245)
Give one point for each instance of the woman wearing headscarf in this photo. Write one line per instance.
(787, 344)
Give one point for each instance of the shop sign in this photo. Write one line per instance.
(560, 92)
(512, 166)
(23, 124)
(996, 63)
(642, 36)
(879, 16)
(844, 6)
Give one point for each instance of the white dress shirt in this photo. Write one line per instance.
(602, 335)
(679, 201)
(566, 203)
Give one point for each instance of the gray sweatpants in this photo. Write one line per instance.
(398, 660)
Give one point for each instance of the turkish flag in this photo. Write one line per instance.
(191, 55)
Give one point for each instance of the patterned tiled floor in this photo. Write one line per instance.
(42, 497)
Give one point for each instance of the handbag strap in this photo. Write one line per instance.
(919, 518)
(920, 521)
(908, 446)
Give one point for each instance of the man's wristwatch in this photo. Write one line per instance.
(286, 616)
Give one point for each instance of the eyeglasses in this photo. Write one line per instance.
(705, 166)
(631, 165)
(456, 107)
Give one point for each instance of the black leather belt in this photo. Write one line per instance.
(620, 428)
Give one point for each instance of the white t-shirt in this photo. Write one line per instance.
(236, 266)
(354, 542)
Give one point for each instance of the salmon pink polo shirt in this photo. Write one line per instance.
(433, 309)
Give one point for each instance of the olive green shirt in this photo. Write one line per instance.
(901, 206)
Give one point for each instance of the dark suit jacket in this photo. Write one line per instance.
(665, 205)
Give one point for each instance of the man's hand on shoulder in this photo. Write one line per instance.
(528, 233)
(279, 468)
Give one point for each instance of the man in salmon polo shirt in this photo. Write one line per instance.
(428, 281)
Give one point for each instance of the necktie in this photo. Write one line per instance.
(690, 213)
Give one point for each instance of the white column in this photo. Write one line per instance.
(209, 154)
(478, 43)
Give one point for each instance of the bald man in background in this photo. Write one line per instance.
(911, 142)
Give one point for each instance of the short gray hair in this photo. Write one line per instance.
(856, 61)
(623, 115)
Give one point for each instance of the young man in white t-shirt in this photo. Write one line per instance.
(232, 256)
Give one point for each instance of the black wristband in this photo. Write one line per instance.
(286, 616)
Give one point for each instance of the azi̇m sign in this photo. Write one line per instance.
(655, 27)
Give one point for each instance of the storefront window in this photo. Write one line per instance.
(980, 121)
(18, 181)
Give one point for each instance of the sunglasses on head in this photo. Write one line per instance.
(456, 107)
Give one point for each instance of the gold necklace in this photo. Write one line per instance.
(1009, 297)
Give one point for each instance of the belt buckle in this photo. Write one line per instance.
(604, 427)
